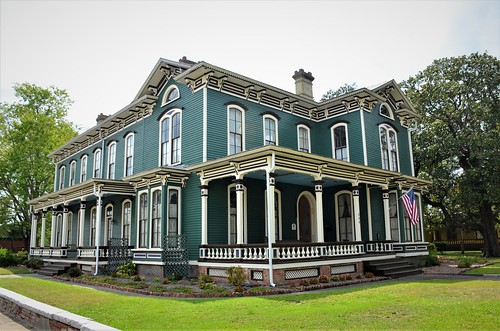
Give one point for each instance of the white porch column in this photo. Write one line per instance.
(204, 213)
(271, 213)
(240, 205)
(81, 219)
(34, 220)
(98, 219)
(53, 229)
(318, 188)
(42, 235)
(387, 215)
(64, 240)
(357, 217)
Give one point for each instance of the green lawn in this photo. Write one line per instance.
(14, 271)
(492, 269)
(429, 305)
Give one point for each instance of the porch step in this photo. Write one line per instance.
(54, 268)
(394, 268)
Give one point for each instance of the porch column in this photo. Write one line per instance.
(357, 218)
(271, 217)
(53, 229)
(204, 214)
(81, 218)
(387, 215)
(98, 219)
(318, 188)
(240, 205)
(42, 235)
(34, 220)
(64, 240)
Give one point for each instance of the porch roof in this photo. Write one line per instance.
(288, 161)
(161, 174)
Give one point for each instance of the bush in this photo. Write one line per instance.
(304, 282)
(440, 246)
(156, 288)
(432, 248)
(174, 277)
(156, 280)
(335, 278)
(182, 289)
(236, 276)
(22, 257)
(431, 260)
(323, 279)
(165, 281)
(7, 258)
(215, 290)
(126, 270)
(33, 263)
(74, 272)
(368, 274)
(205, 281)
(314, 281)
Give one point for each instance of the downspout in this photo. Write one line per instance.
(98, 194)
(269, 213)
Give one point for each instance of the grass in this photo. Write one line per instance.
(14, 271)
(492, 269)
(436, 305)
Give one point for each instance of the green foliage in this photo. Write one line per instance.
(236, 276)
(22, 256)
(174, 277)
(30, 129)
(440, 246)
(156, 288)
(368, 274)
(126, 270)
(258, 289)
(346, 88)
(156, 280)
(220, 290)
(181, 289)
(456, 140)
(74, 272)
(34, 263)
(430, 260)
(7, 258)
(323, 279)
(205, 281)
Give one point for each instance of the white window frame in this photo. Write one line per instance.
(146, 226)
(308, 132)
(83, 168)
(278, 214)
(337, 216)
(275, 120)
(391, 114)
(242, 111)
(93, 212)
(129, 153)
(167, 199)
(111, 164)
(160, 219)
(395, 193)
(69, 229)
(334, 147)
(388, 130)
(236, 221)
(170, 116)
(108, 223)
(62, 176)
(124, 218)
(97, 166)
(59, 225)
(72, 173)
(168, 91)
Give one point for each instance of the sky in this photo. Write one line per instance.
(101, 52)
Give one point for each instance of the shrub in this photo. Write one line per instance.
(314, 281)
(467, 261)
(22, 256)
(215, 290)
(156, 288)
(304, 282)
(258, 289)
(136, 278)
(368, 274)
(165, 281)
(126, 270)
(174, 277)
(431, 260)
(440, 246)
(205, 281)
(359, 276)
(182, 289)
(138, 285)
(7, 258)
(74, 272)
(335, 278)
(432, 248)
(236, 276)
(34, 263)
(156, 280)
(323, 279)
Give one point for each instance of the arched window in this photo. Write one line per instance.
(386, 111)
(389, 148)
(62, 176)
(156, 218)
(129, 155)
(304, 138)
(236, 130)
(72, 173)
(343, 208)
(111, 160)
(126, 220)
(93, 215)
(97, 163)
(270, 130)
(108, 224)
(173, 211)
(171, 94)
(170, 138)
(83, 168)
(394, 216)
(143, 219)
(340, 142)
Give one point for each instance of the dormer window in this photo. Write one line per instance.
(171, 94)
(386, 111)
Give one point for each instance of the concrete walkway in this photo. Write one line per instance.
(12, 324)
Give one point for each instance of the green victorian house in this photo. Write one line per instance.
(208, 169)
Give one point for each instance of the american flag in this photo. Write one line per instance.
(411, 206)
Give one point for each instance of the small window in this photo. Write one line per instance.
(129, 154)
(340, 142)
(270, 130)
(236, 130)
(304, 139)
(111, 160)
(83, 169)
(62, 176)
(171, 94)
(97, 163)
(385, 110)
(72, 173)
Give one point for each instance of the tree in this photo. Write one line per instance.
(30, 129)
(330, 94)
(457, 141)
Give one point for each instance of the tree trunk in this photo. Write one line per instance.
(491, 248)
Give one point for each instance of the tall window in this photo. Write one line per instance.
(70, 228)
(277, 213)
(170, 135)
(97, 163)
(393, 215)
(129, 154)
(344, 216)
(304, 141)
(143, 219)
(62, 176)
(111, 160)
(93, 215)
(109, 224)
(270, 130)
(173, 212)
(232, 214)
(72, 173)
(389, 149)
(59, 222)
(236, 130)
(126, 219)
(339, 142)
(83, 169)
(413, 233)
(156, 219)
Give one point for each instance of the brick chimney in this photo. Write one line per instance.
(303, 84)
(101, 117)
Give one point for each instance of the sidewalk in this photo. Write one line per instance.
(12, 324)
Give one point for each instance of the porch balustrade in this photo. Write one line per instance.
(49, 252)
(379, 247)
(90, 252)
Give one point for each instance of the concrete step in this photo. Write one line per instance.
(394, 268)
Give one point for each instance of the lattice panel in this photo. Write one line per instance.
(118, 254)
(257, 275)
(302, 273)
(217, 272)
(175, 255)
(342, 269)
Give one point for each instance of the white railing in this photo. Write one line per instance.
(55, 252)
(379, 247)
(280, 252)
(90, 252)
(411, 247)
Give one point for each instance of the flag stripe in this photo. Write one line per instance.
(410, 205)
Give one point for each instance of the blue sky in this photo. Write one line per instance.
(101, 52)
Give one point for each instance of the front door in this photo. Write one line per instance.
(304, 219)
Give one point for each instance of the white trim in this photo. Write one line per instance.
(243, 131)
(389, 109)
(108, 161)
(62, 176)
(169, 89)
(280, 220)
(125, 154)
(332, 136)
(229, 213)
(308, 130)
(150, 220)
(84, 157)
(179, 209)
(129, 234)
(170, 115)
(312, 207)
(205, 123)
(275, 120)
(369, 209)
(337, 222)
(363, 135)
